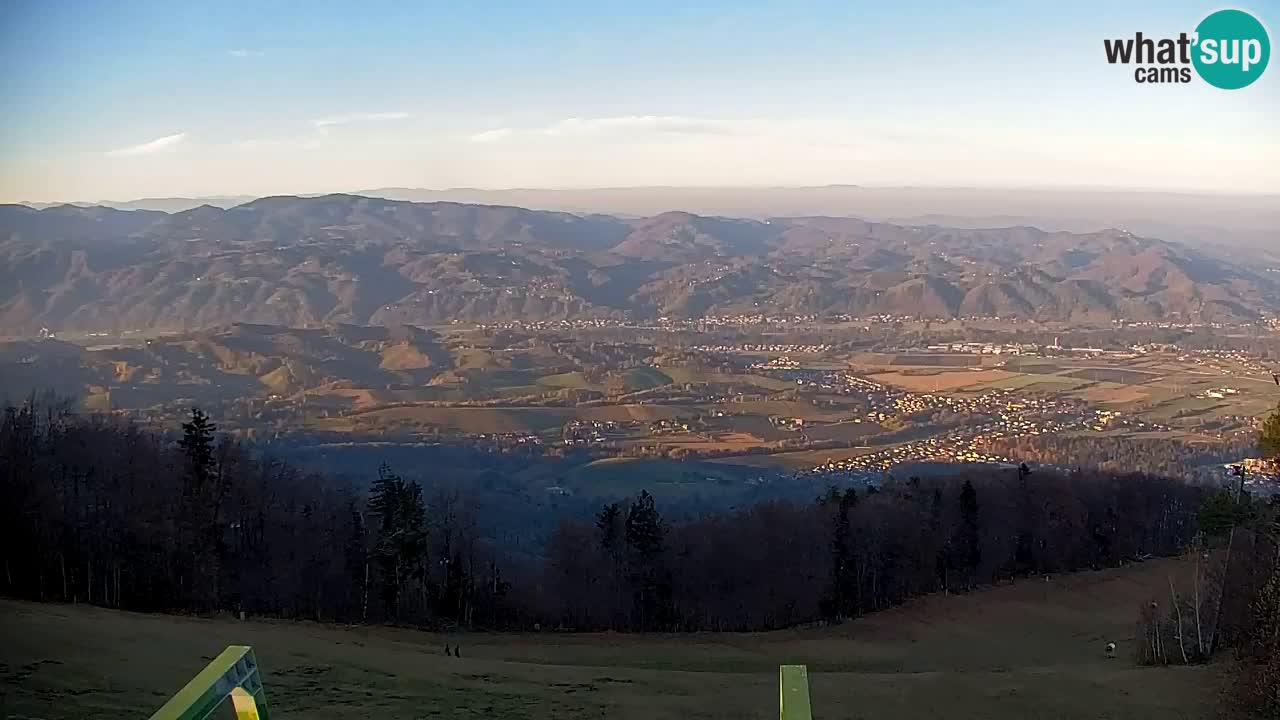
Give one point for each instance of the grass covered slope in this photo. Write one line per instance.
(1033, 650)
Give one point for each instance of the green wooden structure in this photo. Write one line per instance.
(793, 693)
(231, 681)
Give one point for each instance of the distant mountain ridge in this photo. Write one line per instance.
(298, 261)
(168, 205)
(1201, 219)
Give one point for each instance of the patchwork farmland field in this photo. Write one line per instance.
(938, 360)
(1113, 375)
(940, 381)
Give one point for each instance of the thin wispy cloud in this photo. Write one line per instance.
(639, 124)
(168, 142)
(489, 136)
(335, 120)
(305, 141)
(616, 126)
(320, 131)
(245, 53)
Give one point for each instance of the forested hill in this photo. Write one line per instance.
(347, 259)
(104, 512)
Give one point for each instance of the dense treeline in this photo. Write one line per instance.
(1159, 456)
(1228, 602)
(854, 552)
(102, 511)
(105, 512)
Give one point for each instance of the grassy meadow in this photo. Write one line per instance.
(1030, 650)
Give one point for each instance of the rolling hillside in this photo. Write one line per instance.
(364, 261)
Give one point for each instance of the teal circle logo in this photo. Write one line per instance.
(1232, 49)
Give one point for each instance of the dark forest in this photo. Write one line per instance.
(103, 511)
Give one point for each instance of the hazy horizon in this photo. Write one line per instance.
(634, 188)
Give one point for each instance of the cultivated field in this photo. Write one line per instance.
(1033, 650)
(939, 381)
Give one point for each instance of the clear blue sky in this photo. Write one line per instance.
(119, 99)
